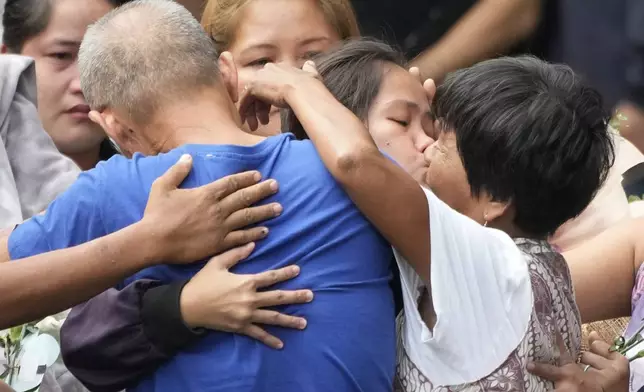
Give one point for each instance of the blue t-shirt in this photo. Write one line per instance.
(349, 342)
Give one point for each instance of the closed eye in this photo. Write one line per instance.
(260, 62)
(400, 122)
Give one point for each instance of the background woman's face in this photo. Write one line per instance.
(279, 31)
(63, 110)
(399, 120)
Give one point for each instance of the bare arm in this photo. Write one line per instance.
(391, 199)
(489, 28)
(51, 282)
(604, 269)
(179, 226)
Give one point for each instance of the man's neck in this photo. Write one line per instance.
(205, 121)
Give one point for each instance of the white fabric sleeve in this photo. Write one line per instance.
(482, 297)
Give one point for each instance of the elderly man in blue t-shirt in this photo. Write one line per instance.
(150, 74)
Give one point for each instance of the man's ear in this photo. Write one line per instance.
(113, 128)
(229, 76)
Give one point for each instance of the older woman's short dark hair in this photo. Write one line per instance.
(529, 133)
(353, 73)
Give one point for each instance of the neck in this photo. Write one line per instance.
(88, 159)
(209, 118)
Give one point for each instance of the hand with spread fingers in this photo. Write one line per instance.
(235, 304)
(600, 369)
(190, 224)
(270, 86)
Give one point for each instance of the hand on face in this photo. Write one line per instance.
(270, 86)
(600, 370)
(190, 224)
(218, 299)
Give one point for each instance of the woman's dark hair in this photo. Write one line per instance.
(529, 133)
(24, 19)
(353, 74)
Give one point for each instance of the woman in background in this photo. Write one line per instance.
(50, 31)
(258, 32)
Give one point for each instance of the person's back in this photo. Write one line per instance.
(349, 340)
(151, 76)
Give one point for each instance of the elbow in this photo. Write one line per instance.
(353, 163)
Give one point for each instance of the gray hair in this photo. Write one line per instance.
(143, 55)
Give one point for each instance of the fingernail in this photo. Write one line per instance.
(274, 186)
(185, 158)
(257, 176)
(530, 366)
(309, 296)
(295, 270)
(280, 345)
(302, 324)
(250, 245)
(264, 231)
(277, 209)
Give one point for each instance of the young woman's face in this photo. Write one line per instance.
(279, 31)
(400, 122)
(63, 110)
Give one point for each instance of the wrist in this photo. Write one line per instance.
(187, 307)
(150, 244)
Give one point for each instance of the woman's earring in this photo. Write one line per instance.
(485, 217)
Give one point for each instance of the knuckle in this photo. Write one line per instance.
(233, 183)
(243, 315)
(247, 197)
(276, 317)
(216, 211)
(248, 216)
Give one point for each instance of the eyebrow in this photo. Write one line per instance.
(65, 42)
(396, 102)
(411, 105)
(267, 46)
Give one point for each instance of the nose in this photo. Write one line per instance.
(423, 142)
(75, 85)
(291, 62)
(429, 153)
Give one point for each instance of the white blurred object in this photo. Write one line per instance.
(637, 209)
(38, 353)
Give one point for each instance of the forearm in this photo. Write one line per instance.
(603, 271)
(48, 283)
(390, 198)
(489, 28)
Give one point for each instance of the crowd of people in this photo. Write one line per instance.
(318, 195)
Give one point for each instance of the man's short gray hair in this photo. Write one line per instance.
(144, 54)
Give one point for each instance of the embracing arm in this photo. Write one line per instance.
(49, 283)
(604, 269)
(390, 198)
(178, 226)
(115, 338)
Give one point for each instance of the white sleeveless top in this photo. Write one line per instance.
(483, 293)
